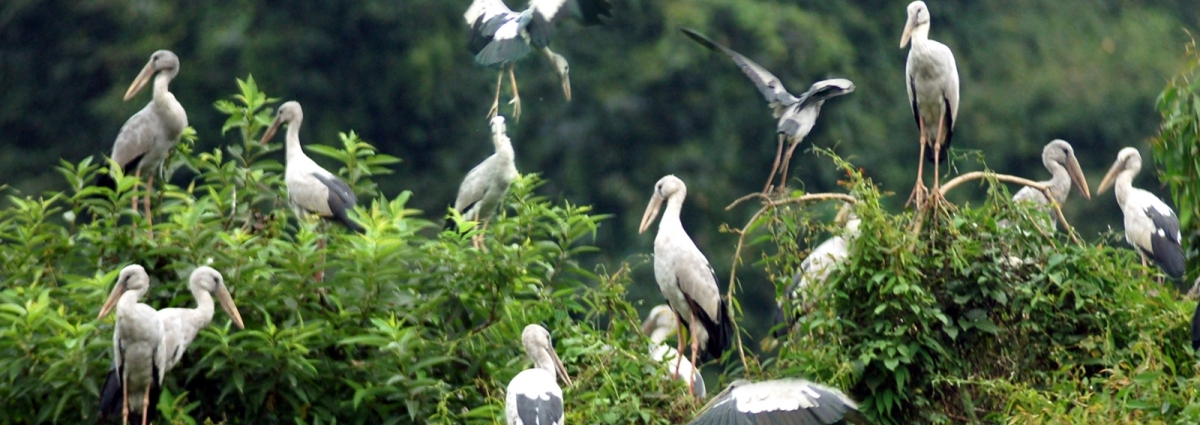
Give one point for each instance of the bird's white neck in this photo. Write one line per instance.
(670, 219)
(503, 145)
(1123, 184)
(920, 34)
(293, 141)
(130, 299)
(1059, 183)
(204, 303)
(165, 104)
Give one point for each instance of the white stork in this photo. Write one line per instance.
(533, 396)
(790, 401)
(148, 136)
(484, 187)
(180, 325)
(660, 324)
(820, 262)
(1150, 225)
(136, 338)
(796, 115)
(932, 80)
(1059, 159)
(684, 276)
(500, 37)
(311, 189)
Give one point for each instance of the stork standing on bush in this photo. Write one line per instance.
(931, 77)
(180, 325)
(685, 277)
(1059, 158)
(533, 396)
(1150, 225)
(137, 366)
(484, 187)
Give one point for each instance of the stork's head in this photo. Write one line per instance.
(1060, 152)
(540, 349)
(917, 24)
(133, 278)
(667, 188)
(564, 71)
(1128, 160)
(209, 279)
(498, 126)
(290, 113)
(661, 321)
(162, 60)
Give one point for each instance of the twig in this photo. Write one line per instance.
(977, 175)
(766, 199)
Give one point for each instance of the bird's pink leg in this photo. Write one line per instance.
(787, 160)
(125, 400)
(695, 348)
(146, 203)
(496, 104)
(774, 168)
(679, 350)
(146, 406)
(918, 193)
(137, 174)
(516, 100)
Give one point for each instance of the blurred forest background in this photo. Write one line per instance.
(647, 101)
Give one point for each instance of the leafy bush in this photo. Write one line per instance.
(1177, 151)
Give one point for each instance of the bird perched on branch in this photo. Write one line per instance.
(931, 77)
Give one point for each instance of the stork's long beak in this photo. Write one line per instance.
(651, 212)
(1111, 177)
(562, 371)
(113, 297)
(227, 304)
(566, 86)
(1077, 177)
(908, 29)
(272, 129)
(140, 82)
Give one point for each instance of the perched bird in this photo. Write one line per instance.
(484, 187)
(783, 401)
(180, 325)
(1059, 159)
(685, 277)
(500, 37)
(136, 365)
(149, 135)
(1150, 225)
(931, 76)
(533, 396)
(661, 323)
(820, 262)
(797, 115)
(311, 189)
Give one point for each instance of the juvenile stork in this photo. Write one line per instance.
(660, 324)
(500, 37)
(180, 325)
(821, 261)
(484, 187)
(136, 338)
(148, 136)
(533, 396)
(684, 276)
(1150, 225)
(311, 189)
(783, 401)
(1059, 159)
(796, 115)
(932, 80)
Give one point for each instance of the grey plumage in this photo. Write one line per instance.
(1059, 159)
(484, 187)
(136, 338)
(181, 325)
(784, 401)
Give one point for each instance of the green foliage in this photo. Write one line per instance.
(408, 325)
(1177, 151)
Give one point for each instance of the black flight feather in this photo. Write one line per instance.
(539, 411)
(341, 200)
(1164, 242)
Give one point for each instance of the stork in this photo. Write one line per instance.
(685, 277)
(791, 401)
(820, 262)
(136, 338)
(1059, 159)
(148, 136)
(1150, 225)
(796, 115)
(932, 80)
(311, 189)
(180, 325)
(484, 187)
(500, 37)
(660, 324)
(533, 396)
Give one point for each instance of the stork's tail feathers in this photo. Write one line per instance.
(720, 333)
(110, 396)
(350, 224)
(1196, 329)
(105, 180)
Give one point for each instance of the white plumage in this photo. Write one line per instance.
(660, 324)
(533, 396)
(684, 275)
(180, 325)
(791, 401)
(484, 187)
(311, 188)
(133, 384)
(820, 262)
(1150, 225)
(931, 77)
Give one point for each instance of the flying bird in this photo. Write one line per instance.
(500, 37)
(134, 383)
(783, 401)
(931, 76)
(685, 277)
(796, 115)
(148, 136)
(1150, 225)
(533, 396)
